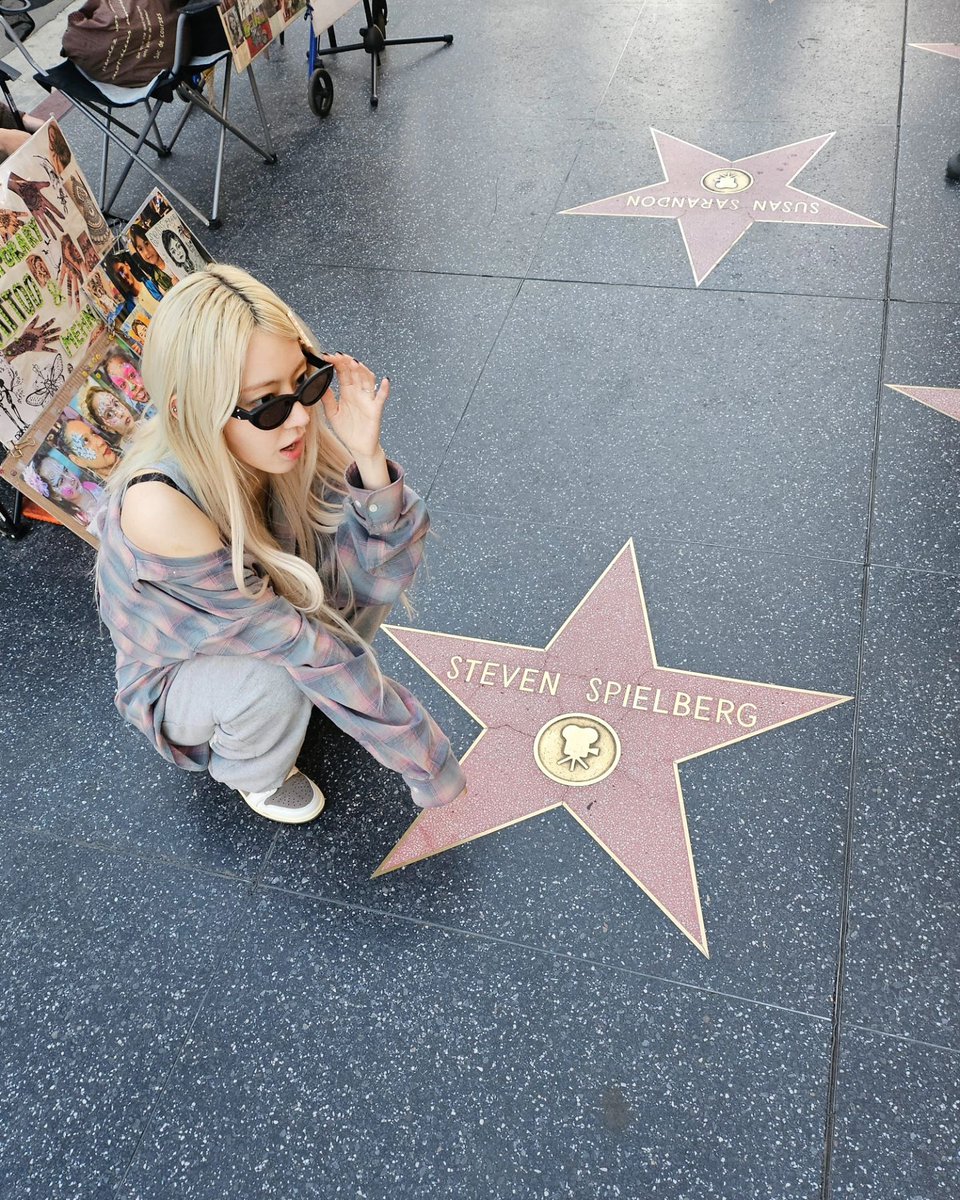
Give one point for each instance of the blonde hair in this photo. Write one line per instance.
(194, 353)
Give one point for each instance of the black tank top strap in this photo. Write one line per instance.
(157, 477)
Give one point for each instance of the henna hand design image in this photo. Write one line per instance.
(48, 216)
(92, 216)
(71, 269)
(36, 338)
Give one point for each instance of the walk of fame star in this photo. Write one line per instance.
(715, 200)
(950, 49)
(592, 723)
(945, 400)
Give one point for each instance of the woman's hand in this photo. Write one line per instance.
(355, 411)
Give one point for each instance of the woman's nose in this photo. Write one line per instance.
(299, 417)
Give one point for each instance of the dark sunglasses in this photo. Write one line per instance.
(270, 412)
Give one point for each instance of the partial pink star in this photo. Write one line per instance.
(945, 400)
(744, 190)
(950, 49)
(600, 666)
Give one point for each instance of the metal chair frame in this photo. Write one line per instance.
(97, 102)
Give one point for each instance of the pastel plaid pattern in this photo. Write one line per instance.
(161, 612)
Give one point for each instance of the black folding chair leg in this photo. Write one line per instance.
(218, 171)
(203, 103)
(178, 128)
(134, 154)
(162, 149)
(104, 156)
(263, 119)
(168, 189)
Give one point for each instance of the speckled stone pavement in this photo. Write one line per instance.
(198, 1004)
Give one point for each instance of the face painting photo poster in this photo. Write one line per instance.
(93, 407)
(51, 235)
(155, 251)
(66, 458)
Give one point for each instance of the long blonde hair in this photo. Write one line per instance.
(194, 353)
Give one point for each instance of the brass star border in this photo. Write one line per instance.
(592, 723)
(941, 399)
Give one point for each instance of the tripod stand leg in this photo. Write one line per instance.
(374, 70)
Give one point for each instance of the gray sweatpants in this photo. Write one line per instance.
(249, 712)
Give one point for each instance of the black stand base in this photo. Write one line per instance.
(953, 166)
(374, 39)
(12, 524)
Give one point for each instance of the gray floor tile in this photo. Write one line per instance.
(762, 439)
(509, 59)
(898, 1113)
(341, 1055)
(418, 187)
(903, 970)
(105, 961)
(930, 78)
(926, 233)
(816, 62)
(918, 462)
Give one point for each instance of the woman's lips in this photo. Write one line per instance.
(293, 450)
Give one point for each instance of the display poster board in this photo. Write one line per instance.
(327, 12)
(251, 25)
(52, 236)
(73, 333)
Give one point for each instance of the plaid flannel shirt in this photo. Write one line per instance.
(164, 611)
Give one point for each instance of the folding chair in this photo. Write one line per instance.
(201, 43)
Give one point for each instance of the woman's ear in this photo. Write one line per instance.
(173, 407)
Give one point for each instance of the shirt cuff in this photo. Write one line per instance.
(383, 506)
(445, 786)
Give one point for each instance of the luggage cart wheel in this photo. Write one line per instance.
(320, 92)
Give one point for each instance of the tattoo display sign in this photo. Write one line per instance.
(75, 305)
(52, 236)
(251, 25)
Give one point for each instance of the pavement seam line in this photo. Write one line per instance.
(833, 1079)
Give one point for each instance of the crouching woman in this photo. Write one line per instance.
(255, 537)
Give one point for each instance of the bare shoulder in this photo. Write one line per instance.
(160, 520)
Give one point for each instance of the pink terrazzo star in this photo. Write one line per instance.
(593, 724)
(950, 49)
(945, 400)
(715, 200)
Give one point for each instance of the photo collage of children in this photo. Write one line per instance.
(251, 25)
(94, 403)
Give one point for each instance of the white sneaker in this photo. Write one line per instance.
(296, 800)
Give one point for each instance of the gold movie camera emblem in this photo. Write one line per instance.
(576, 749)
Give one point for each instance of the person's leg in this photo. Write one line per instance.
(250, 713)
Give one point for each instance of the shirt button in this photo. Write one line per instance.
(374, 507)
